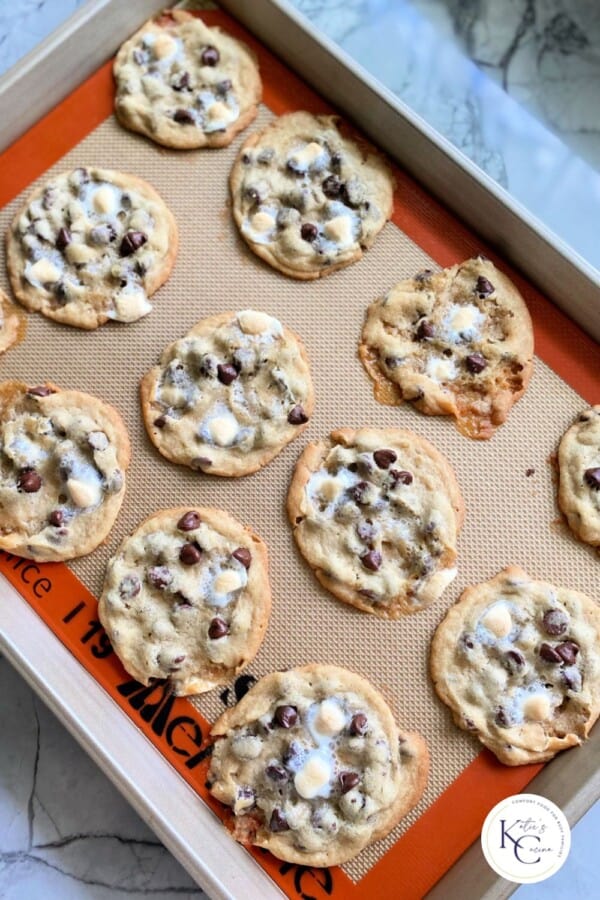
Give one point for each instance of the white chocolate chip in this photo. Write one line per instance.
(310, 780)
(330, 719)
(223, 430)
(330, 488)
(339, 230)
(103, 200)
(164, 45)
(247, 747)
(218, 111)
(79, 253)
(262, 222)
(536, 708)
(130, 306)
(440, 369)
(306, 157)
(82, 493)
(227, 582)
(252, 322)
(44, 271)
(498, 620)
(464, 318)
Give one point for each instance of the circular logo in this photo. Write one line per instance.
(526, 838)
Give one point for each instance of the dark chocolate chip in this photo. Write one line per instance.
(179, 659)
(218, 628)
(384, 458)
(502, 718)
(332, 187)
(592, 478)
(297, 416)
(159, 576)
(555, 622)
(252, 194)
(422, 277)
(265, 156)
(568, 651)
(131, 242)
(56, 518)
(29, 481)
(190, 554)
(41, 390)
(392, 362)
(371, 560)
(549, 654)
(425, 331)
(476, 363)
(184, 116)
(467, 642)
(102, 234)
(210, 56)
(182, 602)
(514, 661)
(484, 287)
(278, 821)
(529, 472)
(246, 159)
(243, 555)
(286, 716)
(139, 56)
(160, 422)
(189, 521)
(308, 231)
(359, 725)
(348, 780)
(63, 238)
(277, 773)
(226, 373)
(182, 83)
(130, 586)
(366, 531)
(223, 86)
(368, 595)
(399, 475)
(245, 792)
(359, 493)
(201, 462)
(336, 160)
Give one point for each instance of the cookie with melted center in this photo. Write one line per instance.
(187, 597)
(314, 767)
(579, 473)
(376, 514)
(518, 663)
(457, 342)
(63, 456)
(91, 246)
(229, 396)
(12, 323)
(308, 199)
(186, 85)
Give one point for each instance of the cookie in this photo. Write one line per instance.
(185, 85)
(12, 323)
(230, 395)
(89, 246)
(518, 663)
(457, 342)
(187, 598)
(313, 766)
(308, 199)
(376, 514)
(63, 456)
(579, 474)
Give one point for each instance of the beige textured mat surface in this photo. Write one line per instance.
(510, 517)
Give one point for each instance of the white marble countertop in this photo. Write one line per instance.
(65, 832)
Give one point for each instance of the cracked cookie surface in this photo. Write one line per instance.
(63, 456)
(12, 323)
(518, 663)
(91, 245)
(230, 395)
(579, 473)
(313, 765)
(187, 598)
(376, 514)
(307, 199)
(185, 85)
(457, 342)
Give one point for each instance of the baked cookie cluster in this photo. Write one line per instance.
(579, 473)
(12, 323)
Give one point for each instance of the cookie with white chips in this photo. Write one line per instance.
(579, 474)
(230, 395)
(376, 514)
(457, 342)
(314, 767)
(12, 323)
(308, 199)
(91, 245)
(186, 85)
(63, 456)
(518, 663)
(187, 598)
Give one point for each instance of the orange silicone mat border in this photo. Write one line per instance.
(415, 862)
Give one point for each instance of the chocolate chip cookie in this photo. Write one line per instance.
(63, 456)
(187, 598)
(230, 395)
(579, 472)
(376, 514)
(457, 342)
(518, 663)
(185, 85)
(89, 246)
(308, 199)
(12, 323)
(313, 766)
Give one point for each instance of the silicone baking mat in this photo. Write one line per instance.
(507, 482)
